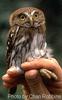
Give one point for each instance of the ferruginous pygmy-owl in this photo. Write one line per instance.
(27, 38)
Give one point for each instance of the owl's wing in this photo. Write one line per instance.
(10, 42)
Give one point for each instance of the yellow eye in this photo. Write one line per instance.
(36, 15)
(22, 16)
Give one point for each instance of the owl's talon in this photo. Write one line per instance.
(48, 74)
(44, 73)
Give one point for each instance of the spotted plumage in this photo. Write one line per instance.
(10, 43)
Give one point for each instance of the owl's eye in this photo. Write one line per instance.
(22, 16)
(36, 15)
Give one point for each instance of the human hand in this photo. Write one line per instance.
(32, 76)
(12, 77)
(54, 86)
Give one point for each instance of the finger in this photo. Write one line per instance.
(35, 83)
(13, 71)
(31, 74)
(9, 85)
(45, 74)
(38, 63)
(43, 63)
(7, 78)
(54, 60)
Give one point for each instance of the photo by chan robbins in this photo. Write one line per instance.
(30, 61)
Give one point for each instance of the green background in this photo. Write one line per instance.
(53, 13)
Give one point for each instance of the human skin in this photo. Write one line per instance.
(33, 82)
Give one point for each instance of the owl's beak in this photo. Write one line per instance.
(31, 21)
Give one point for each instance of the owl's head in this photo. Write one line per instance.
(27, 17)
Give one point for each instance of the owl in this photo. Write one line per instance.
(26, 38)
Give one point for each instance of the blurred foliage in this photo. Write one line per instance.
(53, 13)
